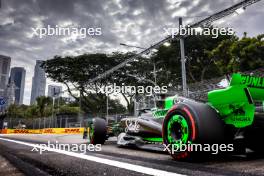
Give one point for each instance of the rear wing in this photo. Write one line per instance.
(236, 103)
(254, 84)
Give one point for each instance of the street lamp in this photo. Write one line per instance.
(184, 82)
(54, 96)
(240, 10)
(154, 50)
(167, 44)
(107, 108)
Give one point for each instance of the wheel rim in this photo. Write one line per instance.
(178, 131)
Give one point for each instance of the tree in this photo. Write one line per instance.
(133, 74)
(76, 72)
(32, 112)
(42, 104)
(199, 63)
(206, 57)
(18, 111)
(233, 55)
(223, 57)
(43, 108)
(12, 111)
(249, 52)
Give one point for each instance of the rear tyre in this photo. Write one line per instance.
(98, 131)
(191, 122)
(254, 134)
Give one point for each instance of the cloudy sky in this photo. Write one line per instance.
(135, 22)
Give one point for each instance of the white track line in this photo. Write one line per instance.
(127, 166)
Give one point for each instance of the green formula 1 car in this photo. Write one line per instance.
(233, 115)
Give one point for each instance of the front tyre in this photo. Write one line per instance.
(98, 131)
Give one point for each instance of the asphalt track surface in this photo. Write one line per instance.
(112, 160)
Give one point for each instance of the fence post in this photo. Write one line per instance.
(66, 124)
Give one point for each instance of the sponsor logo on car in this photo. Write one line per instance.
(132, 125)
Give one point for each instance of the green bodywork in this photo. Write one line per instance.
(161, 113)
(235, 103)
(153, 139)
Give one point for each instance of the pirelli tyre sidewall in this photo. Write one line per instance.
(98, 131)
(204, 126)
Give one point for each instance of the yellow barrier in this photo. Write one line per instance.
(20, 131)
(62, 130)
(44, 131)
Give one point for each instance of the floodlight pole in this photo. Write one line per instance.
(184, 83)
(53, 103)
(154, 72)
(107, 109)
(80, 117)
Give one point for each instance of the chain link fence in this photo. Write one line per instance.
(40, 123)
(58, 121)
(199, 90)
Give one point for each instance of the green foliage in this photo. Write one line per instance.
(68, 109)
(206, 57)
(199, 64)
(42, 104)
(77, 71)
(235, 54)
(43, 108)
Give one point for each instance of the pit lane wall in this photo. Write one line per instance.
(43, 131)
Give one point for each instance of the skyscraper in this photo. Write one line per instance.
(4, 73)
(10, 93)
(38, 82)
(54, 90)
(17, 76)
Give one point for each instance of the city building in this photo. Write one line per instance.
(54, 90)
(5, 62)
(10, 93)
(38, 82)
(17, 76)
